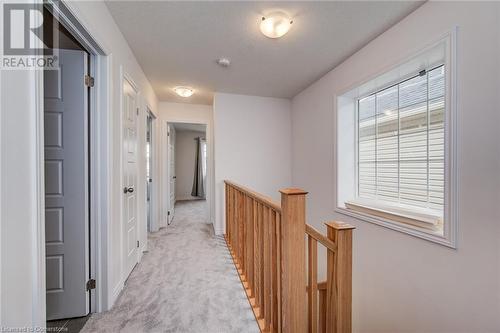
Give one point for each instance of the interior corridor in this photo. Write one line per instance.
(185, 283)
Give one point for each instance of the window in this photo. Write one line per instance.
(401, 143)
(394, 138)
(204, 158)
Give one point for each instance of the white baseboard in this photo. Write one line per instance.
(114, 295)
(190, 198)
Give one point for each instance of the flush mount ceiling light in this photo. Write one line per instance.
(275, 25)
(184, 91)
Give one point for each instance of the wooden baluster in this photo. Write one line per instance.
(249, 243)
(312, 276)
(262, 259)
(241, 216)
(322, 311)
(235, 226)
(236, 229)
(226, 200)
(244, 233)
(294, 301)
(339, 279)
(238, 226)
(267, 268)
(258, 258)
(277, 274)
(230, 218)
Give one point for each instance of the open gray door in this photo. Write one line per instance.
(171, 173)
(66, 187)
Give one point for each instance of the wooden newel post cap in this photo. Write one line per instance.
(339, 225)
(293, 191)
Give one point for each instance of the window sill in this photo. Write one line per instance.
(423, 218)
(397, 221)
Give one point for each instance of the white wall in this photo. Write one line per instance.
(194, 114)
(21, 304)
(102, 27)
(252, 146)
(20, 300)
(402, 283)
(185, 159)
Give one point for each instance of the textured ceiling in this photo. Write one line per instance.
(178, 43)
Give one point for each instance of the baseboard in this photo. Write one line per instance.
(114, 295)
(188, 199)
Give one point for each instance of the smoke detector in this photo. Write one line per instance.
(224, 62)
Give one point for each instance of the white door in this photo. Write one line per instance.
(130, 238)
(171, 171)
(66, 187)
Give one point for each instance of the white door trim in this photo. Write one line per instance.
(100, 182)
(154, 170)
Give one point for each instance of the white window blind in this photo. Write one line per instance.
(401, 142)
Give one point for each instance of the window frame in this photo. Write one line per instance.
(448, 236)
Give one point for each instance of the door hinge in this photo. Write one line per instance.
(168, 213)
(90, 284)
(137, 243)
(137, 111)
(89, 81)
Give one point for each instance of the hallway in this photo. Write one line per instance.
(185, 283)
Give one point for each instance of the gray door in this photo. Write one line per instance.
(171, 173)
(66, 187)
(149, 170)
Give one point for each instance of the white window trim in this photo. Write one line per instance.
(448, 236)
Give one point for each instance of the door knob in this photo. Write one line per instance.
(128, 189)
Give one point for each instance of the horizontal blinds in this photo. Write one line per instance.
(401, 142)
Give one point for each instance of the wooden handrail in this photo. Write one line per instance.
(320, 238)
(266, 242)
(257, 196)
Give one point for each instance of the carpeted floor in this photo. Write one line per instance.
(185, 283)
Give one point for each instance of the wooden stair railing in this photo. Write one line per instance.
(267, 243)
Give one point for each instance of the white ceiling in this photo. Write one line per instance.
(177, 43)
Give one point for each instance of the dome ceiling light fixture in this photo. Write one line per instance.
(275, 25)
(184, 91)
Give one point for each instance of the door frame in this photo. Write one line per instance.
(153, 171)
(169, 210)
(99, 167)
(210, 167)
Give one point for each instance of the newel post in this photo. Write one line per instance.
(339, 279)
(293, 264)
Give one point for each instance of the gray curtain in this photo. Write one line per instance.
(198, 187)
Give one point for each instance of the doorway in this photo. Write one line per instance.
(67, 175)
(149, 170)
(188, 176)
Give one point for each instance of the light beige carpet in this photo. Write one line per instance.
(185, 283)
